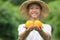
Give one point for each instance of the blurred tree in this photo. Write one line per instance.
(17, 2)
(47, 1)
(9, 21)
(53, 19)
(8, 26)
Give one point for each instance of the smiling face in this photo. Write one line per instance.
(34, 11)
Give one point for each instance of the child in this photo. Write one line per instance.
(34, 10)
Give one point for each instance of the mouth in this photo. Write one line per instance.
(34, 13)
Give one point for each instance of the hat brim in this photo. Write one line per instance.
(24, 13)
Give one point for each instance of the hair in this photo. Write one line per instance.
(36, 4)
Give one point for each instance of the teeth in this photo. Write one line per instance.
(34, 13)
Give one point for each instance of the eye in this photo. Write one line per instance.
(31, 8)
(37, 8)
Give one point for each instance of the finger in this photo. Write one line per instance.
(31, 28)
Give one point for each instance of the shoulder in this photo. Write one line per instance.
(47, 28)
(46, 25)
(21, 26)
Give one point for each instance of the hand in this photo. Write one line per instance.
(37, 28)
(30, 28)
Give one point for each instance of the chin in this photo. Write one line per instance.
(34, 17)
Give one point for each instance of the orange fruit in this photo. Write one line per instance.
(28, 23)
(38, 23)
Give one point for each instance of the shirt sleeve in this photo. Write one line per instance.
(47, 28)
(21, 29)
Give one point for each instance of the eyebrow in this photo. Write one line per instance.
(36, 4)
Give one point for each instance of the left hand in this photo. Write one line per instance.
(37, 28)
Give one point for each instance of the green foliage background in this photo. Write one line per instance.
(10, 18)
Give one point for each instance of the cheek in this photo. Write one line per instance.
(39, 12)
(30, 11)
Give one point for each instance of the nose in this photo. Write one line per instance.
(34, 9)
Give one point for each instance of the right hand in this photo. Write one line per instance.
(30, 28)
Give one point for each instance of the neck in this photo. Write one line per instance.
(33, 19)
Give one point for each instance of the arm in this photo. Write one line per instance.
(45, 35)
(24, 35)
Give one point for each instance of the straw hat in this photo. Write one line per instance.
(23, 8)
